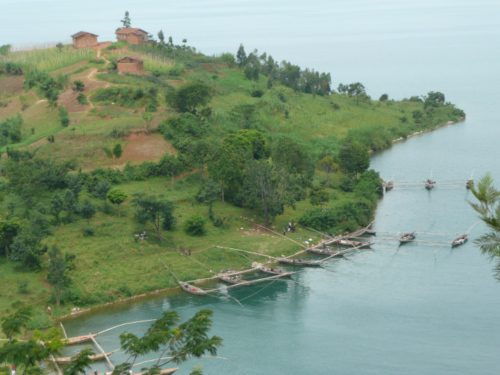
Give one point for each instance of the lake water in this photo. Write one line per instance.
(419, 309)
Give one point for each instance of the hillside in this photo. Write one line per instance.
(59, 137)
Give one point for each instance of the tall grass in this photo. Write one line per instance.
(152, 62)
(48, 59)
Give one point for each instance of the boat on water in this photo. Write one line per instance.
(192, 289)
(79, 339)
(460, 240)
(323, 251)
(352, 243)
(429, 184)
(273, 271)
(94, 358)
(469, 183)
(388, 185)
(300, 262)
(406, 237)
(232, 279)
(167, 371)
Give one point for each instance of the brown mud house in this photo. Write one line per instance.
(130, 64)
(132, 36)
(84, 39)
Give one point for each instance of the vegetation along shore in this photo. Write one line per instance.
(106, 175)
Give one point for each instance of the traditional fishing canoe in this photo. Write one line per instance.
(406, 237)
(300, 263)
(232, 279)
(353, 243)
(460, 240)
(192, 289)
(273, 271)
(323, 251)
(79, 339)
(96, 357)
(167, 371)
(429, 184)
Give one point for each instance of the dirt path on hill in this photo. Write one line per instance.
(90, 77)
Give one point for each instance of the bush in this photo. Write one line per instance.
(195, 225)
(257, 93)
(79, 85)
(22, 286)
(82, 99)
(151, 108)
(347, 183)
(89, 231)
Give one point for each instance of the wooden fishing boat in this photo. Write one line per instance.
(95, 357)
(79, 339)
(273, 271)
(406, 237)
(300, 262)
(232, 279)
(388, 185)
(192, 289)
(429, 184)
(469, 183)
(323, 251)
(167, 371)
(460, 240)
(353, 243)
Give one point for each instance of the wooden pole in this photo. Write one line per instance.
(103, 352)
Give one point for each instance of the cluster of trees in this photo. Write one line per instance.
(308, 81)
(357, 90)
(11, 130)
(174, 342)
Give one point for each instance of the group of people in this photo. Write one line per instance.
(291, 228)
(185, 251)
(142, 236)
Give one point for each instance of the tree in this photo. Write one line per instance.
(79, 85)
(327, 165)
(63, 114)
(354, 158)
(268, 188)
(117, 151)
(8, 231)
(190, 96)
(69, 202)
(87, 210)
(293, 156)
(319, 197)
(158, 212)
(60, 46)
(161, 37)
(117, 196)
(148, 119)
(12, 324)
(126, 21)
(56, 206)
(101, 190)
(227, 169)
(241, 56)
(171, 165)
(75, 184)
(26, 354)
(383, 98)
(437, 97)
(57, 273)
(209, 194)
(488, 209)
(356, 89)
(200, 153)
(80, 363)
(176, 342)
(195, 225)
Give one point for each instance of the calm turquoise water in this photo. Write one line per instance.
(421, 309)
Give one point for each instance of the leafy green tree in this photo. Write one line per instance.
(268, 188)
(208, 194)
(353, 158)
(488, 209)
(8, 231)
(101, 190)
(190, 96)
(80, 363)
(63, 114)
(24, 354)
(60, 46)
(117, 151)
(117, 196)
(52, 339)
(383, 98)
(241, 56)
(126, 21)
(171, 165)
(87, 210)
(161, 37)
(294, 156)
(57, 273)
(437, 97)
(227, 169)
(79, 85)
(200, 153)
(356, 89)
(14, 323)
(56, 205)
(195, 225)
(158, 212)
(75, 184)
(319, 197)
(70, 204)
(327, 165)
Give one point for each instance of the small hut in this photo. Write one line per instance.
(84, 39)
(132, 36)
(130, 64)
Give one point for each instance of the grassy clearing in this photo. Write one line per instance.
(49, 59)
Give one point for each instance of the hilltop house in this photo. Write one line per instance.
(130, 64)
(84, 39)
(132, 36)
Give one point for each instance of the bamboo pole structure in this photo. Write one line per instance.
(103, 352)
(125, 324)
(63, 330)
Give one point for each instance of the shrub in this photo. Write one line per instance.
(88, 231)
(257, 93)
(79, 85)
(195, 225)
(347, 183)
(82, 99)
(151, 108)
(22, 286)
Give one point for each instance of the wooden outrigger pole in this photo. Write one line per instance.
(185, 286)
